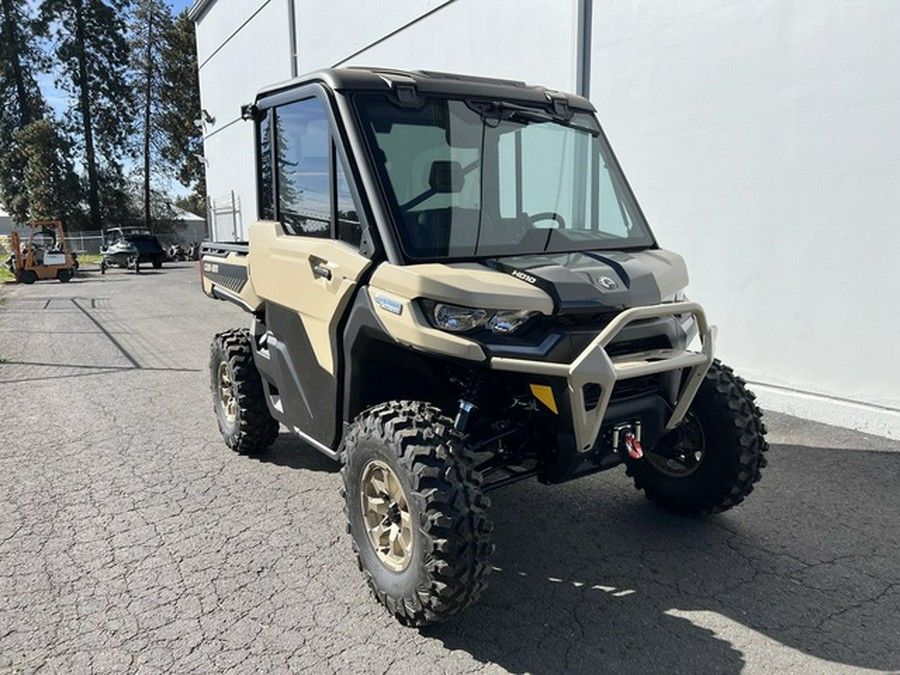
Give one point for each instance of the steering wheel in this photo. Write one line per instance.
(548, 215)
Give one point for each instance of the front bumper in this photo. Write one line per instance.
(595, 367)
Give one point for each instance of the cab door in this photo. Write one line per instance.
(305, 263)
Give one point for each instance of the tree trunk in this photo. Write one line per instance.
(86, 119)
(148, 94)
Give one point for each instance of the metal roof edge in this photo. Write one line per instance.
(198, 8)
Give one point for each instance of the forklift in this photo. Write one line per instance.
(44, 256)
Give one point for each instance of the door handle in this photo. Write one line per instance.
(321, 271)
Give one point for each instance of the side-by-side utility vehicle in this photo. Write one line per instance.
(452, 288)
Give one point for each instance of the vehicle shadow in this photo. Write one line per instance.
(294, 453)
(590, 577)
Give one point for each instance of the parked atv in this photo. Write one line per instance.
(453, 289)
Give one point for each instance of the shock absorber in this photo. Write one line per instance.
(468, 402)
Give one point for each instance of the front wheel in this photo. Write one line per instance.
(238, 395)
(711, 462)
(416, 512)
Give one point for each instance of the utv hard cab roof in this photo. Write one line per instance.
(451, 210)
(425, 82)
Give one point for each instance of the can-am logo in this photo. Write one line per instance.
(607, 283)
(524, 277)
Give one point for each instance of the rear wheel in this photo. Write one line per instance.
(238, 396)
(711, 462)
(64, 275)
(416, 512)
(157, 263)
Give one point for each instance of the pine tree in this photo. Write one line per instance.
(183, 141)
(48, 179)
(152, 21)
(92, 60)
(20, 99)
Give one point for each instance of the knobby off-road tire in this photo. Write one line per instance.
(238, 396)
(445, 568)
(731, 440)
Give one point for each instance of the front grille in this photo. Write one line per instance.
(649, 384)
(641, 345)
(638, 386)
(632, 387)
(583, 319)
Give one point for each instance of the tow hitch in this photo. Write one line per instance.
(629, 436)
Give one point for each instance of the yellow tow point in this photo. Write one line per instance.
(544, 394)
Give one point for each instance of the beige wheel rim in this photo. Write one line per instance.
(386, 515)
(226, 393)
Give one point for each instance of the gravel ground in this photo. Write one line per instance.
(133, 540)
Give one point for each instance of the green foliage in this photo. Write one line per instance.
(151, 21)
(193, 203)
(180, 98)
(20, 98)
(131, 74)
(49, 187)
(92, 55)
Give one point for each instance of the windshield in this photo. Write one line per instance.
(483, 179)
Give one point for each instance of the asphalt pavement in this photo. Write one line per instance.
(132, 540)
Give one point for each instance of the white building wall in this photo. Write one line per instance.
(531, 40)
(241, 46)
(760, 137)
(763, 142)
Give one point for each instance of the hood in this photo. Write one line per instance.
(592, 281)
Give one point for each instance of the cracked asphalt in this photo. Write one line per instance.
(132, 540)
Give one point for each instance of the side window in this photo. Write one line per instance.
(348, 227)
(264, 169)
(303, 144)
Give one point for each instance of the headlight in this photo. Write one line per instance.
(509, 320)
(458, 319)
(461, 319)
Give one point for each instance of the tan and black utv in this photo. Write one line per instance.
(452, 288)
(43, 255)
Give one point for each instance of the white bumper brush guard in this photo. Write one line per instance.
(595, 366)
